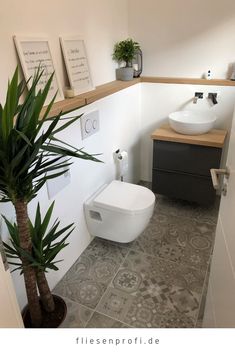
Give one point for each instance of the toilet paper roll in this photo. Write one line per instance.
(122, 161)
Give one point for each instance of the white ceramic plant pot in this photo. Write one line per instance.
(125, 73)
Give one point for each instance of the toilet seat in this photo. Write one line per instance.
(125, 198)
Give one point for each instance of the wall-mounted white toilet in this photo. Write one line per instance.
(119, 211)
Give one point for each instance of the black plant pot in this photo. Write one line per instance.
(49, 320)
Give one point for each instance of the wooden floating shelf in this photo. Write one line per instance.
(109, 88)
(81, 100)
(188, 81)
(65, 106)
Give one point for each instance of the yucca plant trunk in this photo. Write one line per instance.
(28, 271)
(45, 292)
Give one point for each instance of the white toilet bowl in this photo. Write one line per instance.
(119, 211)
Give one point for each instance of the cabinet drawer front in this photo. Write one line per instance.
(186, 158)
(183, 186)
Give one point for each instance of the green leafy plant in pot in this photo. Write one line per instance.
(29, 156)
(46, 245)
(124, 51)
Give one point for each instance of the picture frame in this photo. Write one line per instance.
(33, 52)
(77, 65)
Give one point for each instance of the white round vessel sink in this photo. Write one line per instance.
(196, 122)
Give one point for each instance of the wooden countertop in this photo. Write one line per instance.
(214, 138)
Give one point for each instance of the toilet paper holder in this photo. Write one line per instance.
(121, 158)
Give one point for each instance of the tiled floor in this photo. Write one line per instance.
(159, 280)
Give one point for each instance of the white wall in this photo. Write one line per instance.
(184, 38)
(100, 22)
(158, 100)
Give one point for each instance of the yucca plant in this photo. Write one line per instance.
(29, 156)
(45, 247)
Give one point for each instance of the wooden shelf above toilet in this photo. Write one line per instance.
(109, 88)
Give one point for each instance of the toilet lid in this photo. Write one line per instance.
(125, 197)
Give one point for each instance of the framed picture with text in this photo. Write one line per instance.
(76, 63)
(33, 52)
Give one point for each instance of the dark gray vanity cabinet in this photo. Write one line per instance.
(182, 170)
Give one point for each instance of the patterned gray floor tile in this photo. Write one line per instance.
(102, 321)
(187, 241)
(155, 281)
(77, 315)
(195, 258)
(170, 251)
(185, 302)
(146, 288)
(174, 319)
(114, 243)
(150, 240)
(178, 239)
(144, 312)
(183, 231)
(127, 280)
(115, 303)
(88, 278)
(133, 310)
(100, 248)
(180, 208)
(154, 268)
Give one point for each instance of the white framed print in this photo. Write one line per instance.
(76, 62)
(32, 53)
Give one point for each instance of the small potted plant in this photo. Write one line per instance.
(30, 155)
(124, 52)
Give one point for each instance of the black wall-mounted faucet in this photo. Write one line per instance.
(197, 95)
(213, 97)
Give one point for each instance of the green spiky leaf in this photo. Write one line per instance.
(46, 244)
(25, 147)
